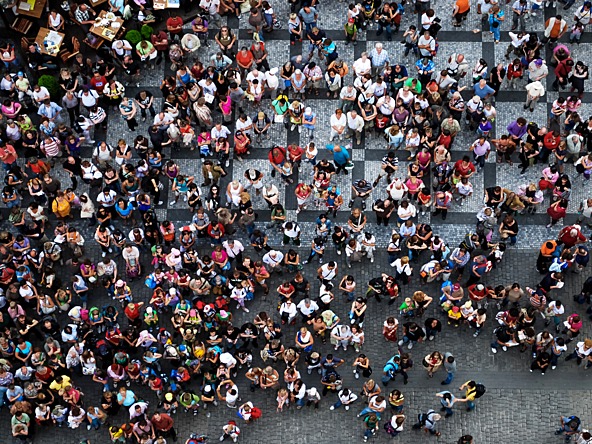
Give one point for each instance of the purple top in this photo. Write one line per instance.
(516, 130)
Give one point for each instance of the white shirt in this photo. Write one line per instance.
(361, 67)
(273, 261)
(294, 232)
(235, 250)
(210, 5)
(535, 89)
(90, 99)
(271, 80)
(107, 200)
(216, 133)
(41, 95)
(240, 125)
(429, 41)
(356, 124)
(289, 309)
(581, 351)
(307, 310)
(341, 122)
(326, 273)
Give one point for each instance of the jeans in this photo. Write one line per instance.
(3, 391)
(496, 33)
(448, 410)
(470, 405)
(368, 410)
(308, 26)
(449, 378)
(387, 28)
(430, 332)
(479, 160)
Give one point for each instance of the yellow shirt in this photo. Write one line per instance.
(55, 385)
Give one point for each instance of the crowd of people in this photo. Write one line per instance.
(68, 315)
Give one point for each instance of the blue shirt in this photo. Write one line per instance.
(425, 68)
(483, 92)
(340, 157)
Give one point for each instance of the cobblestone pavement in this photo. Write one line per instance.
(519, 407)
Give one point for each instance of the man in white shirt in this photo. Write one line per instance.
(162, 120)
(291, 233)
(244, 124)
(88, 97)
(213, 8)
(307, 308)
(270, 194)
(288, 312)
(517, 40)
(340, 336)
(386, 105)
(426, 45)
(107, 199)
(338, 123)
(234, 249)
(131, 255)
(327, 272)
(273, 259)
(40, 93)
(218, 131)
(534, 91)
(120, 49)
(272, 82)
(355, 125)
(347, 98)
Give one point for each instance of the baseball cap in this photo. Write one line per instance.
(351, 20)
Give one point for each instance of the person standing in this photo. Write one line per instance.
(534, 91)
(450, 367)
(447, 400)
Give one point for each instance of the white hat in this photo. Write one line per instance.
(273, 71)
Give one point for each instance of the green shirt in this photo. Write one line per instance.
(350, 28)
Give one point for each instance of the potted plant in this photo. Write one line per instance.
(146, 31)
(134, 37)
(52, 85)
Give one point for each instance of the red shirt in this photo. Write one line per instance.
(550, 141)
(132, 314)
(172, 24)
(8, 154)
(277, 155)
(568, 240)
(244, 59)
(464, 170)
(295, 152)
(98, 84)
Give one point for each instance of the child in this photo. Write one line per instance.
(496, 254)
(454, 316)
(576, 33)
(407, 308)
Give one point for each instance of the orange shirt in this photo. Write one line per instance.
(463, 5)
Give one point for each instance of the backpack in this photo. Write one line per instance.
(479, 390)
(574, 419)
